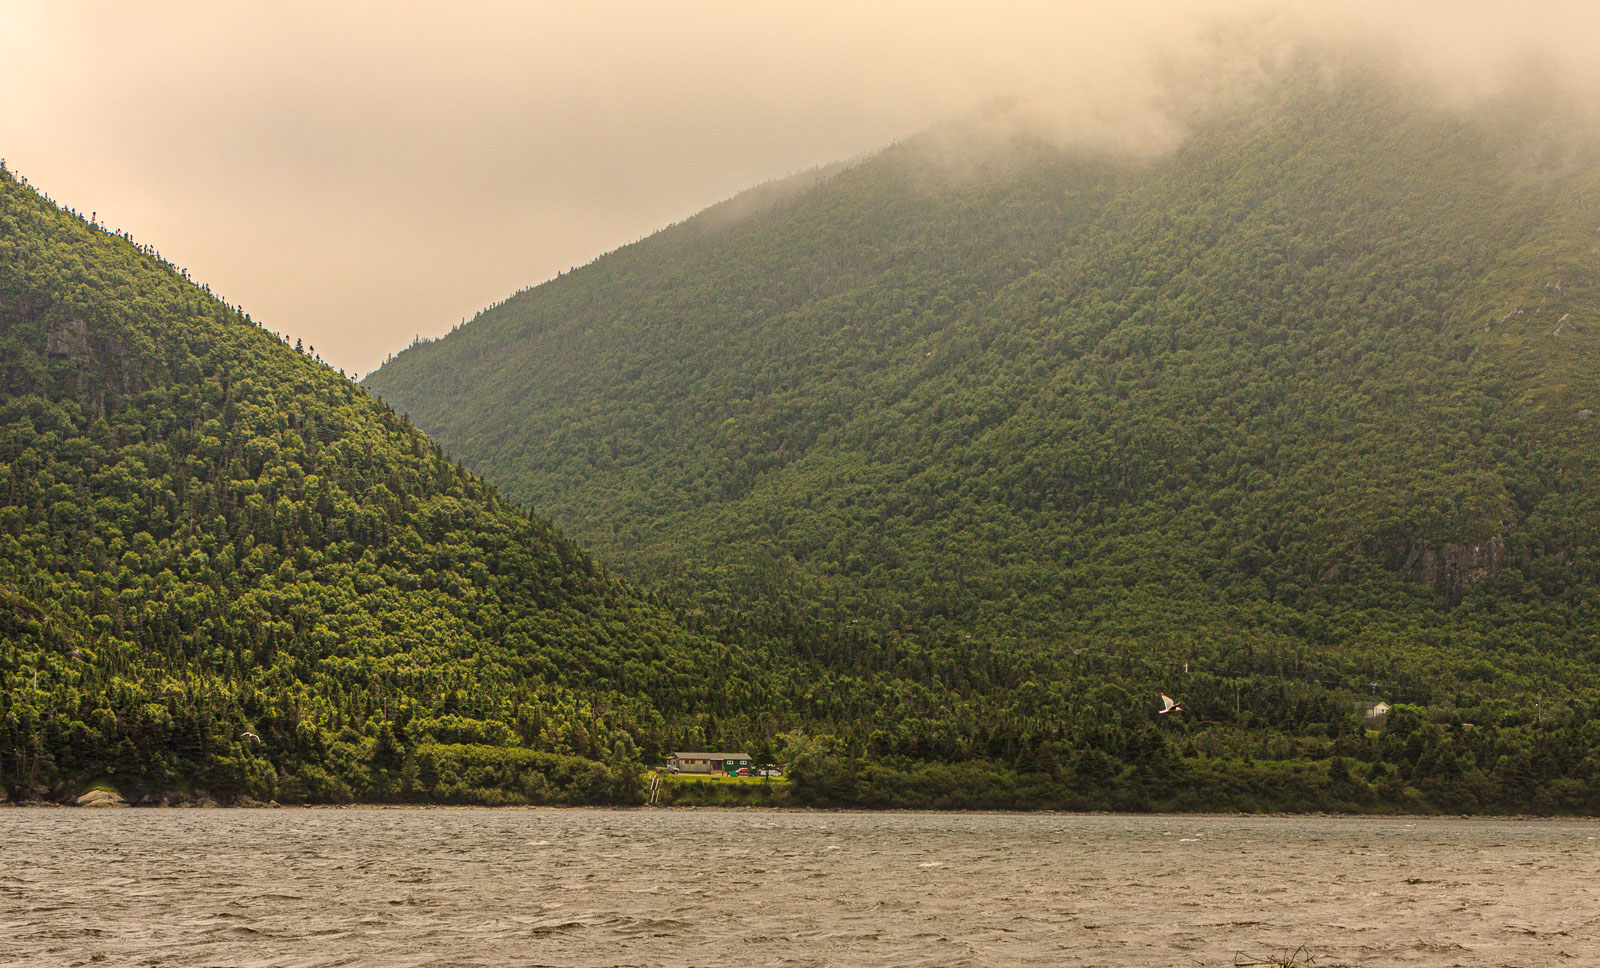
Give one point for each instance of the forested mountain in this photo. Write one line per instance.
(939, 467)
(225, 567)
(1298, 413)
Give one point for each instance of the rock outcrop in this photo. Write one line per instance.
(68, 338)
(1456, 564)
(100, 798)
(101, 360)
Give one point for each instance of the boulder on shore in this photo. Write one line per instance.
(100, 798)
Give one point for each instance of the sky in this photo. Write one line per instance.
(356, 174)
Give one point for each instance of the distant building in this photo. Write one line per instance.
(1373, 712)
(712, 764)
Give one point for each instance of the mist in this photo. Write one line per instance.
(359, 174)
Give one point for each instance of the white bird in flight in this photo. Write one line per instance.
(1171, 705)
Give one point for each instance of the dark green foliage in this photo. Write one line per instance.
(1000, 446)
(946, 468)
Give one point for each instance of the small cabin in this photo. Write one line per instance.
(1373, 712)
(710, 764)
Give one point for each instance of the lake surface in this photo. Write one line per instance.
(748, 888)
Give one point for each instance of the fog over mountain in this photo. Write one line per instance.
(361, 174)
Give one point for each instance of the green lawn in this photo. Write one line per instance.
(703, 778)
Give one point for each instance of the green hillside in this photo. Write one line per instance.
(1303, 410)
(226, 568)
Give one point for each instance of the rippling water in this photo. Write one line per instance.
(711, 888)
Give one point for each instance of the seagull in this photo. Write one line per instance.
(251, 735)
(1172, 706)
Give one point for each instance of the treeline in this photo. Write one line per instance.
(1415, 765)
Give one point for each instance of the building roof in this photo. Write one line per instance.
(711, 756)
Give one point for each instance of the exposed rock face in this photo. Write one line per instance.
(1456, 564)
(68, 338)
(101, 360)
(100, 798)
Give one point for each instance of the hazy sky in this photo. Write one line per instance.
(355, 173)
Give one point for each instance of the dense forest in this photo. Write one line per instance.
(1297, 415)
(923, 476)
(226, 568)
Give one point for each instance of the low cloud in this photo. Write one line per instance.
(357, 173)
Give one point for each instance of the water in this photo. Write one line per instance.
(759, 888)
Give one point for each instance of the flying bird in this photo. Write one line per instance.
(252, 735)
(1170, 705)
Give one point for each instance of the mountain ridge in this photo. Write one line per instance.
(764, 410)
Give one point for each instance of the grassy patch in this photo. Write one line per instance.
(670, 778)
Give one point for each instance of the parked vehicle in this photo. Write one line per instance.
(741, 771)
(770, 771)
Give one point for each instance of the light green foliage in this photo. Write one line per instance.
(225, 567)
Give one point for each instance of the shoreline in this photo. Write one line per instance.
(863, 811)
